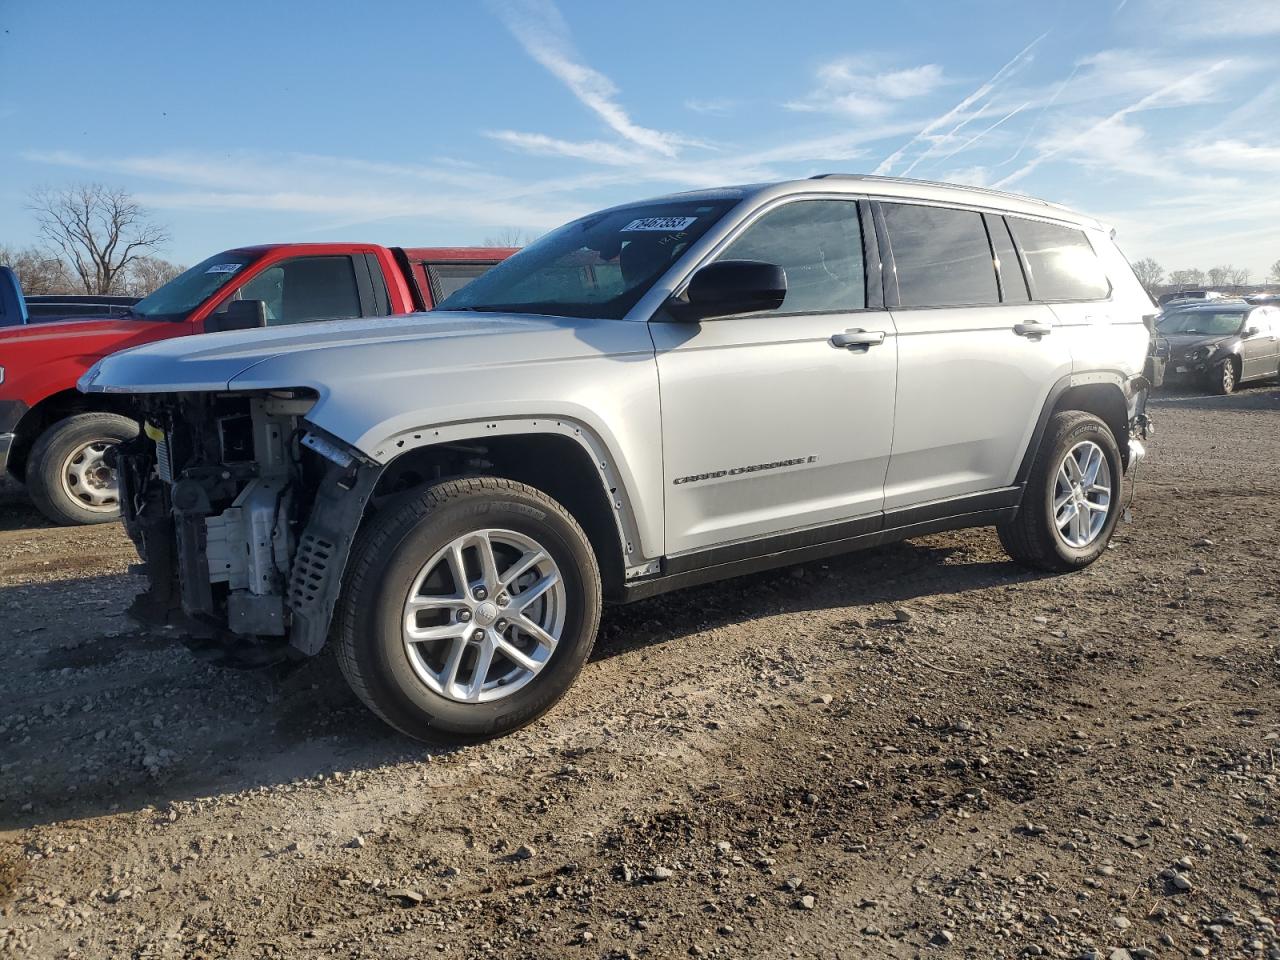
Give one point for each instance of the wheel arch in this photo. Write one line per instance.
(1101, 393)
(557, 455)
(48, 411)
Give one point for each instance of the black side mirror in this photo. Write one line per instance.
(729, 287)
(239, 315)
(1252, 331)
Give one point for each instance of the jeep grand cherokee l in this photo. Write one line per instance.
(656, 395)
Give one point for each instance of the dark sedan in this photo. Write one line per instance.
(1221, 345)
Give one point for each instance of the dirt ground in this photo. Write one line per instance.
(780, 766)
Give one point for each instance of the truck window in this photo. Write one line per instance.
(305, 288)
(448, 278)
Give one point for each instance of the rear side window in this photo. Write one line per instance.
(819, 244)
(448, 278)
(942, 256)
(1060, 260)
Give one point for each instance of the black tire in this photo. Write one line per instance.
(48, 459)
(1226, 377)
(1032, 537)
(386, 558)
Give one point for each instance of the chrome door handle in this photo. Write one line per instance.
(857, 339)
(1033, 330)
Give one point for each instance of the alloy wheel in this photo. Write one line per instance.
(484, 615)
(1082, 495)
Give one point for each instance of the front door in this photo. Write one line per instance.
(768, 424)
(1258, 351)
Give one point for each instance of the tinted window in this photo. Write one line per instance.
(942, 256)
(305, 288)
(1013, 284)
(1061, 261)
(1202, 320)
(448, 278)
(819, 244)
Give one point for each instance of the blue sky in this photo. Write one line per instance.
(432, 122)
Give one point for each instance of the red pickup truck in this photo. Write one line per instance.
(54, 439)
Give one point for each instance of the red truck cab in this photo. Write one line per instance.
(55, 439)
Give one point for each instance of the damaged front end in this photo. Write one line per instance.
(244, 516)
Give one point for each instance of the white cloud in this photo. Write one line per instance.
(718, 107)
(1197, 19)
(850, 86)
(595, 151)
(1229, 154)
(1020, 60)
(542, 31)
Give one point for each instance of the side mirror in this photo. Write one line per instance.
(239, 315)
(1252, 331)
(729, 287)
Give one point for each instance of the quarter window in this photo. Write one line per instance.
(942, 256)
(1061, 261)
(819, 244)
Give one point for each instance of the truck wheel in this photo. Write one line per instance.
(468, 609)
(1072, 499)
(67, 477)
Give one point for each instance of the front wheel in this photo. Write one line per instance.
(1225, 379)
(1072, 500)
(67, 472)
(468, 610)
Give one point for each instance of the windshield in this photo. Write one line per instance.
(181, 295)
(599, 266)
(1208, 322)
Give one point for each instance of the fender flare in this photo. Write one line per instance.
(1080, 379)
(613, 484)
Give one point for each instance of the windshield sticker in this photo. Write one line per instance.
(224, 268)
(663, 224)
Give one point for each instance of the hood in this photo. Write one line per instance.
(1184, 343)
(71, 328)
(321, 354)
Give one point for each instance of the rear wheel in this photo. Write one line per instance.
(67, 474)
(1071, 502)
(468, 610)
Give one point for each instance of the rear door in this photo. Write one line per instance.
(976, 358)
(770, 424)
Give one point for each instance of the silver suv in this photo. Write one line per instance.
(656, 395)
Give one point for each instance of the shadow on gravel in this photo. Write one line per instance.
(16, 511)
(891, 574)
(1265, 397)
(110, 718)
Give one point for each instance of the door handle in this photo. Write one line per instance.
(1032, 330)
(858, 339)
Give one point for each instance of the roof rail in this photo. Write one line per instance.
(875, 178)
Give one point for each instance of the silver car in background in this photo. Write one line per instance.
(653, 396)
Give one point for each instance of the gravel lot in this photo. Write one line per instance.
(917, 751)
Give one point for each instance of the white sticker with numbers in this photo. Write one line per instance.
(224, 268)
(662, 224)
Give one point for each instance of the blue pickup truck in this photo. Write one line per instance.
(15, 309)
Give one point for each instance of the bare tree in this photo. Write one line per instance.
(100, 230)
(1187, 278)
(1149, 273)
(1275, 273)
(509, 237)
(1220, 276)
(147, 273)
(39, 271)
(1239, 278)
